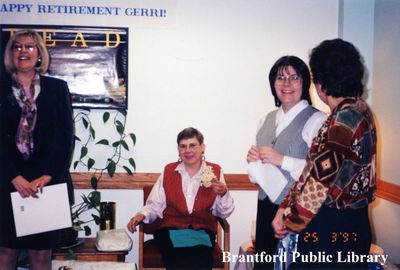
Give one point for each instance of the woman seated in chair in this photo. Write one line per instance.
(187, 198)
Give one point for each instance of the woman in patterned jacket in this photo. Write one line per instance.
(328, 206)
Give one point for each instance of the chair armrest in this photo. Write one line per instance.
(141, 242)
(224, 225)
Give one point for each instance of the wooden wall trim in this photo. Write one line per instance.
(388, 191)
(81, 180)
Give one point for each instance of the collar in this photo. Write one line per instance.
(346, 103)
(182, 169)
(282, 117)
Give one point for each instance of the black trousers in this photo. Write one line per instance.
(265, 239)
(197, 257)
(341, 235)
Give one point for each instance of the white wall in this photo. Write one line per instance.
(210, 72)
(386, 97)
(386, 85)
(358, 28)
(373, 27)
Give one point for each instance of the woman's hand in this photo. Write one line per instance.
(219, 188)
(24, 187)
(134, 222)
(40, 182)
(270, 155)
(279, 225)
(253, 154)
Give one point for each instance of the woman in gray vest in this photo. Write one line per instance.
(282, 141)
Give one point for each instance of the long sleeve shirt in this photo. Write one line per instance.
(340, 166)
(156, 202)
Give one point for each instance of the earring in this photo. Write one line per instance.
(203, 158)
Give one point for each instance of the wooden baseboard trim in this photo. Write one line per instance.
(81, 180)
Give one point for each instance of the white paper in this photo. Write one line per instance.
(51, 211)
(262, 175)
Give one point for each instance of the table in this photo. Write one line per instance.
(87, 251)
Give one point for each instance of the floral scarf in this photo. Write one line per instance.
(26, 99)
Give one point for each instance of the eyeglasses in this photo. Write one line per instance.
(294, 78)
(19, 47)
(190, 147)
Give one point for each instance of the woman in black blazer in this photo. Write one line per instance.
(36, 140)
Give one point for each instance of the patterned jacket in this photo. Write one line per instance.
(340, 166)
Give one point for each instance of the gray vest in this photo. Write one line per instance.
(290, 142)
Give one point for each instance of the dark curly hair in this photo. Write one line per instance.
(336, 65)
(189, 133)
(301, 69)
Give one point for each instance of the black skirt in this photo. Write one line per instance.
(335, 239)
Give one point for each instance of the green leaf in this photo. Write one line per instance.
(90, 163)
(93, 182)
(95, 198)
(127, 170)
(123, 112)
(85, 199)
(111, 168)
(116, 144)
(84, 151)
(120, 127)
(103, 141)
(85, 122)
(106, 116)
(76, 164)
(92, 132)
(88, 231)
(133, 137)
(71, 254)
(125, 145)
(132, 162)
(96, 219)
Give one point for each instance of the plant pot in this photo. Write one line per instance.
(69, 237)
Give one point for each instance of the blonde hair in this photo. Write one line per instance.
(43, 64)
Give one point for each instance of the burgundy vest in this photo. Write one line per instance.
(176, 214)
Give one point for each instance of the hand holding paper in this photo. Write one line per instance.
(50, 211)
(261, 174)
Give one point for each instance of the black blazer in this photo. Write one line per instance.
(53, 135)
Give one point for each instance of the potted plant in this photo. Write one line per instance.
(114, 148)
